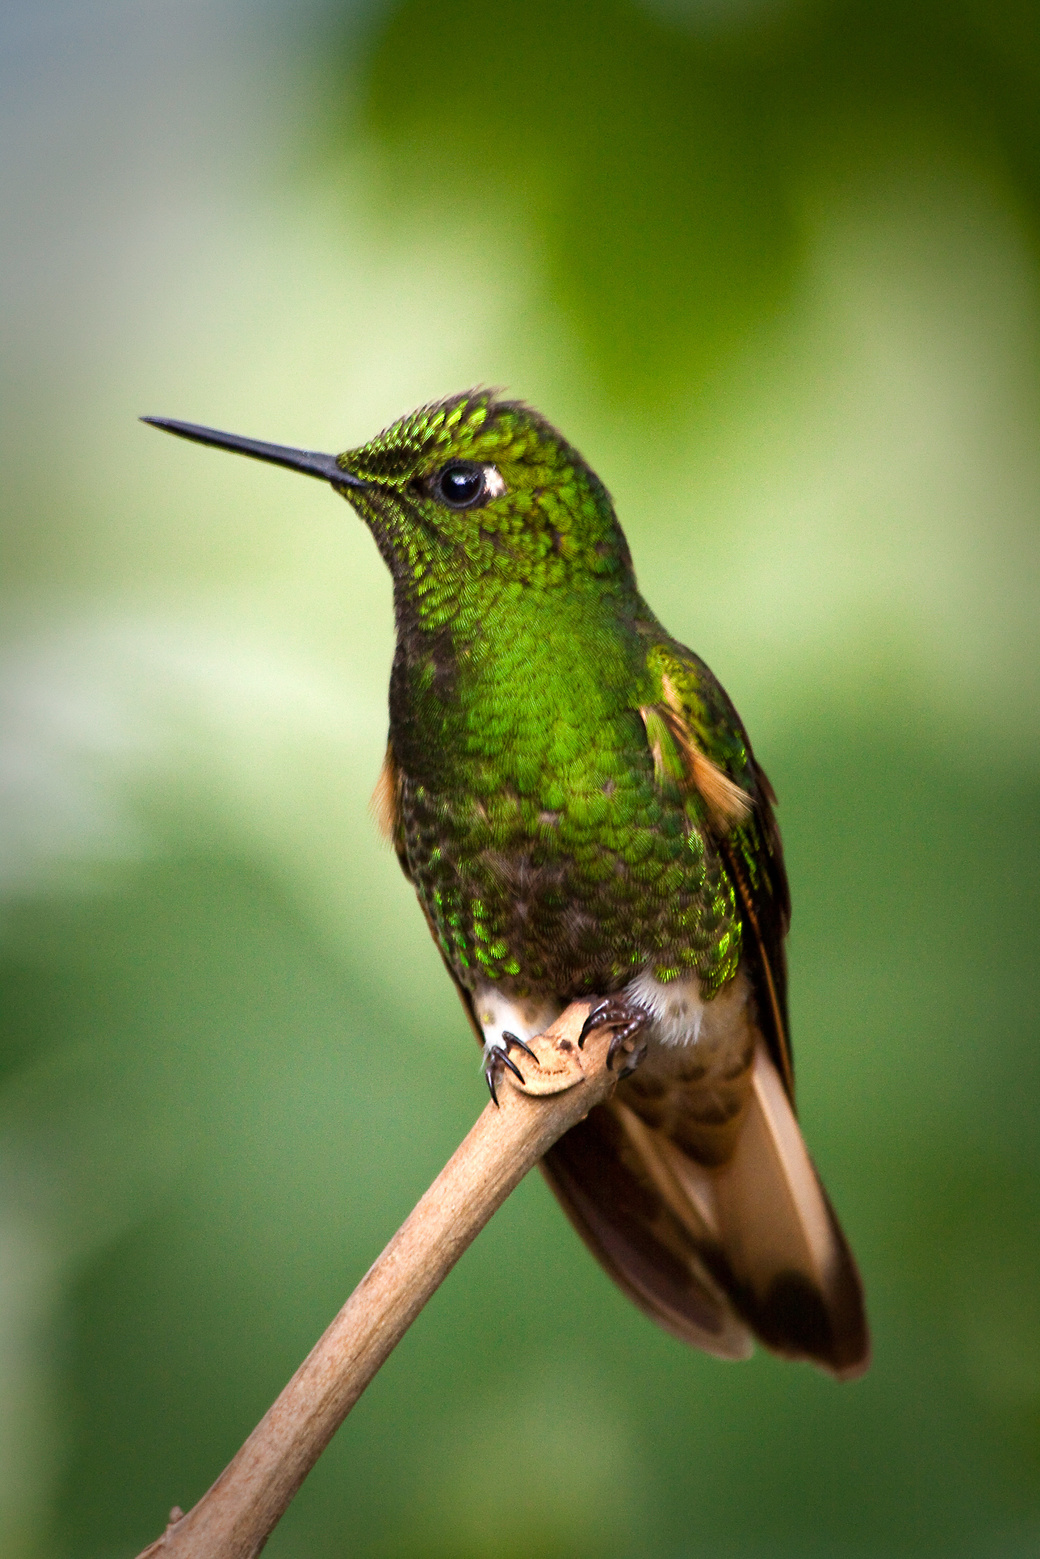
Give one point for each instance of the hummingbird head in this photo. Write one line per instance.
(481, 489)
(463, 495)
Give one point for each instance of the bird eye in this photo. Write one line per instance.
(460, 484)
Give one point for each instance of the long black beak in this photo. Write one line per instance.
(306, 460)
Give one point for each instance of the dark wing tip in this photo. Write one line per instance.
(795, 1319)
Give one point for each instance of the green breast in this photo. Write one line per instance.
(534, 832)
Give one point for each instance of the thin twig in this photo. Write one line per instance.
(234, 1519)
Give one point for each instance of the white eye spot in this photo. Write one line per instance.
(494, 486)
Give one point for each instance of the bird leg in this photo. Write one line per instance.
(627, 1019)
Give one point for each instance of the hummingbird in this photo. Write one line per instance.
(577, 804)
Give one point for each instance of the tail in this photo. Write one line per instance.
(721, 1255)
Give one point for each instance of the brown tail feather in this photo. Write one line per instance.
(610, 1196)
(716, 1254)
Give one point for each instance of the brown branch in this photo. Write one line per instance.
(238, 1514)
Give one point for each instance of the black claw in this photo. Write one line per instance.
(593, 1021)
(514, 1039)
(500, 1057)
(508, 1061)
(623, 1016)
(622, 1035)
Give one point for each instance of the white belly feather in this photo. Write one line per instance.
(680, 1015)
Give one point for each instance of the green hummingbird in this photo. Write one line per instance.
(576, 802)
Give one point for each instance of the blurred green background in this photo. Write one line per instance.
(774, 266)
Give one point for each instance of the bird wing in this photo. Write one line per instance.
(719, 1252)
(727, 793)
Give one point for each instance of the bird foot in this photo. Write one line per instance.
(497, 1057)
(627, 1019)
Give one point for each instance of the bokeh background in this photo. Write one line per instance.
(774, 266)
